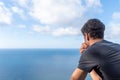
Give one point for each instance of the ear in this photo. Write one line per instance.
(87, 38)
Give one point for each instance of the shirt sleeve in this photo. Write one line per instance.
(88, 61)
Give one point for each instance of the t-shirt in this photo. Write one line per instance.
(104, 58)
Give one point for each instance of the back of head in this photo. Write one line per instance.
(95, 28)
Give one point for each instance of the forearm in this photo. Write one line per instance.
(78, 74)
(95, 76)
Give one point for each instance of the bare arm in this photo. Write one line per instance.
(78, 74)
(95, 76)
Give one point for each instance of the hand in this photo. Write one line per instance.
(83, 47)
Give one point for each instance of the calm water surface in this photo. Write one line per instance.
(38, 64)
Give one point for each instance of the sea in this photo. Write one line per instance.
(38, 64)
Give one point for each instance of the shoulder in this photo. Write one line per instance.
(101, 45)
(97, 49)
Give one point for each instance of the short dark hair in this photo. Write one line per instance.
(94, 27)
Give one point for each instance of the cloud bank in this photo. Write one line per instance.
(56, 17)
(5, 14)
(114, 26)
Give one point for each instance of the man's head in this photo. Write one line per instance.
(93, 29)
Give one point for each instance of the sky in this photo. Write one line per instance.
(54, 23)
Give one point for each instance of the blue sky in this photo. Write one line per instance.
(54, 23)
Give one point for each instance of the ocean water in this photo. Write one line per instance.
(38, 64)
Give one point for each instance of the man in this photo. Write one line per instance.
(99, 57)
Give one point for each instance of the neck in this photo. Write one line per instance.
(93, 41)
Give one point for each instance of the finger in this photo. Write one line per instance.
(82, 50)
(85, 46)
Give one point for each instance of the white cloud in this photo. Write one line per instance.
(116, 16)
(56, 11)
(19, 11)
(114, 26)
(5, 14)
(65, 13)
(40, 28)
(92, 3)
(68, 31)
(115, 29)
(60, 11)
(22, 3)
(22, 26)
